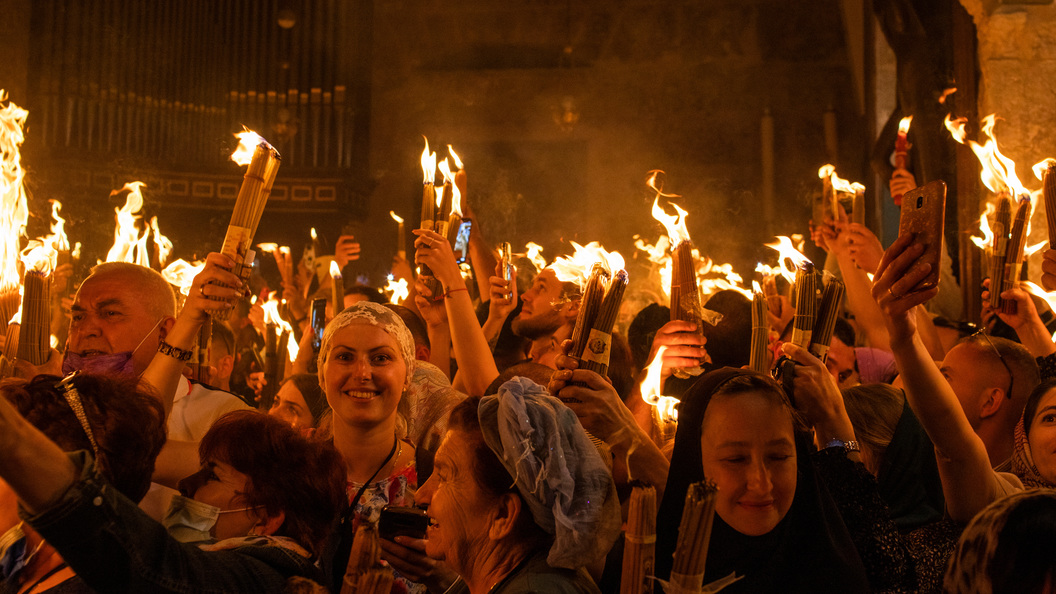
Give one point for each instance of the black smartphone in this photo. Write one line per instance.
(402, 521)
(461, 247)
(318, 323)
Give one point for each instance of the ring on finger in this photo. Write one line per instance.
(201, 290)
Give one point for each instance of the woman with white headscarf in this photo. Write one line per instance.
(366, 362)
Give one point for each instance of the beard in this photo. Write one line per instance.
(537, 327)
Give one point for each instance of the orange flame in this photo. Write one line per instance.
(398, 289)
(428, 164)
(181, 273)
(987, 239)
(335, 270)
(127, 238)
(903, 125)
(675, 225)
(789, 258)
(58, 239)
(271, 316)
(650, 386)
(163, 243)
(576, 268)
(395, 217)
(1041, 166)
(534, 252)
(14, 209)
(999, 172)
(449, 178)
(454, 157)
(248, 141)
(946, 93)
(39, 256)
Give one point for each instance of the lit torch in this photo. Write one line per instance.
(652, 390)
(14, 210)
(263, 165)
(760, 331)
(1046, 172)
(338, 288)
(34, 335)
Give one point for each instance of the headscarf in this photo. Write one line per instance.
(908, 478)
(972, 566)
(1023, 461)
(427, 401)
(810, 550)
(373, 314)
(557, 470)
(875, 366)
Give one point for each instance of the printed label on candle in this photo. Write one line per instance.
(598, 345)
(801, 337)
(236, 242)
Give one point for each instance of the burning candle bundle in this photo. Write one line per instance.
(902, 147)
(828, 311)
(805, 302)
(263, 161)
(858, 207)
(639, 551)
(760, 333)
(34, 335)
(600, 304)
(694, 534)
(14, 209)
(337, 293)
(1046, 172)
(364, 573)
(1017, 242)
(445, 214)
(1002, 229)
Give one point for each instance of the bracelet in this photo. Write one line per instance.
(175, 352)
(847, 446)
(455, 291)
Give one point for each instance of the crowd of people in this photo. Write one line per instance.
(919, 456)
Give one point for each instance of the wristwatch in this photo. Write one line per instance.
(846, 446)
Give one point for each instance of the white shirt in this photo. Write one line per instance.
(195, 408)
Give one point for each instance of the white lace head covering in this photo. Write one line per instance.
(371, 314)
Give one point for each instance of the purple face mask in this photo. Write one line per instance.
(120, 363)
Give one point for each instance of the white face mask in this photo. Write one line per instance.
(189, 520)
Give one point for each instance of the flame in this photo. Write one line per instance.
(857, 187)
(903, 125)
(395, 217)
(454, 157)
(946, 93)
(789, 258)
(399, 290)
(826, 171)
(248, 141)
(58, 239)
(576, 268)
(335, 270)
(428, 164)
(1041, 166)
(163, 243)
(284, 250)
(987, 239)
(76, 252)
(315, 236)
(14, 210)
(534, 252)
(674, 224)
(838, 183)
(271, 316)
(1033, 289)
(39, 256)
(449, 178)
(729, 279)
(439, 190)
(268, 247)
(129, 243)
(999, 172)
(650, 386)
(756, 288)
(181, 273)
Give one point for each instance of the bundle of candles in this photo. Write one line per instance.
(685, 294)
(694, 534)
(828, 311)
(438, 201)
(600, 304)
(805, 302)
(1006, 255)
(1046, 172)
(34, 334)
(263, 161)
(639, 550)
(364, 573)
(759, 360)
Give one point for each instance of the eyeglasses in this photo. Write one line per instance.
(1000, 357)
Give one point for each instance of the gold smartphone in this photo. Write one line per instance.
(923, 214)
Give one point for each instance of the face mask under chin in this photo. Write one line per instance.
(120, 363)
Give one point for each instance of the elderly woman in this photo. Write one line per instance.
(520, 499)
(367, 368)
(265, 494)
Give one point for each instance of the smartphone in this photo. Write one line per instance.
(924, 214)
(318, 323)
(402, 521)
(461, 247)
(507, 263)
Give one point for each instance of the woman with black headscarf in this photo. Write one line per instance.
(777, 525)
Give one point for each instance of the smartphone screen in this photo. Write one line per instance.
(462, 241)
(318, 323)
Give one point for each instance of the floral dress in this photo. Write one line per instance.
(396, 489)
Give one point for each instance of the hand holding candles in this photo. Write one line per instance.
(434, 251)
